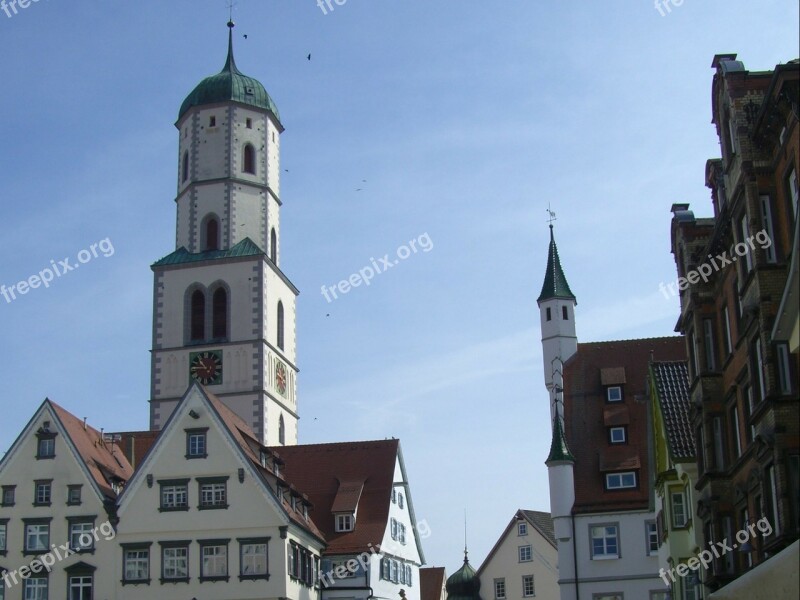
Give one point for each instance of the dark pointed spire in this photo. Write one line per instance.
(230, 63)
(559, 451)
(555, 282)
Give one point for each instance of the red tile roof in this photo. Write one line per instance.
(319, 469)
(585, 409)
(431, 582)
(104, 460)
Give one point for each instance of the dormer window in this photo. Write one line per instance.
(345, 522)
(614, 393)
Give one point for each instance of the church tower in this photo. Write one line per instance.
(557, 316)
(223, 311)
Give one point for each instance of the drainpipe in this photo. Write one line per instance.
(575, 559)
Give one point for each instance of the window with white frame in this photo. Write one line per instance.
(605, 541)
(651, 535)
(80, 587)
(196, 446)
(617, 435)
(174, 494)
(528, 587)
(37, 536)
(35, 588)
(766, 218)
(175, 563)
(213, 560)
(614, 393)
(344, 522)
(500, 588)
(678, 505)
(522, 528)
(42, 492)
(3, 537)
(253, 558)
(621, 481)
(728, 340)
(136, 564)
(213, 493)
(81, 538)
(525, 553)
(691, 590)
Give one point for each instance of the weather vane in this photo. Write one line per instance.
(552, 215)
(231, 4)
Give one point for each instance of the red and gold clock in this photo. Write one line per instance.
(280, 378)
(206, 367)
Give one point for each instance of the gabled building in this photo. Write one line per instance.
(59, 480)
(524, 561)
(362, 504)
(208, 513)
(432, 583)
(678, 538)
(599, 471)
(738, 294)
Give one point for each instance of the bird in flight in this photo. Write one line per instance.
(308, 57)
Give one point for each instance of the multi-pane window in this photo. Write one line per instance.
(35, 588)
(74, 494)
(175, 562)
(344, 522)
(522, 528)
(37, 536)
(213, 560)
(500, 589)
(621, 481)
(46, 447)
(393, 528)
(81, 538)
(42, 492)
(80, 587)
(174, 495)
(617, 435)
(253, 558)
(9, 495)
(651, 533)
(400, 500)
(213, 493)
(136, 564)
(605, 541)
(525, 553)
(614, 393)
(3, 536)
(196, 444)
(678, 503)
(528, 588)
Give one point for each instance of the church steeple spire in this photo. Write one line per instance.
(555, 282)
(230, 63)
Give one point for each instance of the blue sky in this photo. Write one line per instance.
(465, 119)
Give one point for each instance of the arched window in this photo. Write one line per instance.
(197, 329)
(280, 325)
(212, 234)
(185, 167)
(219, 314)
(249, 159)
(273, 246)
(281, 431)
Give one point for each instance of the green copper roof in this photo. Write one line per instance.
(464, 584)
(230, 85)
(246, 247)
(558, 448)
(555, 282)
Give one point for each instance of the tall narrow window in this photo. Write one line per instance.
(185, 167)
(212, 234)
(708, 339)
(719, 444)
(748, 257)
(281, 431)
(280, 325)
(273, 246)
(784, 368)
(766, 219)
(773, 500)
(249, 159)
(728, 344)
(737, 440)
(198, 316)
(564, 313)
(693, 362)
(794, 191)
(758, 370)
(219, 327)
(549, 314)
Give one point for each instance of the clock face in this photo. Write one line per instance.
(206, 367)
(280, 378)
